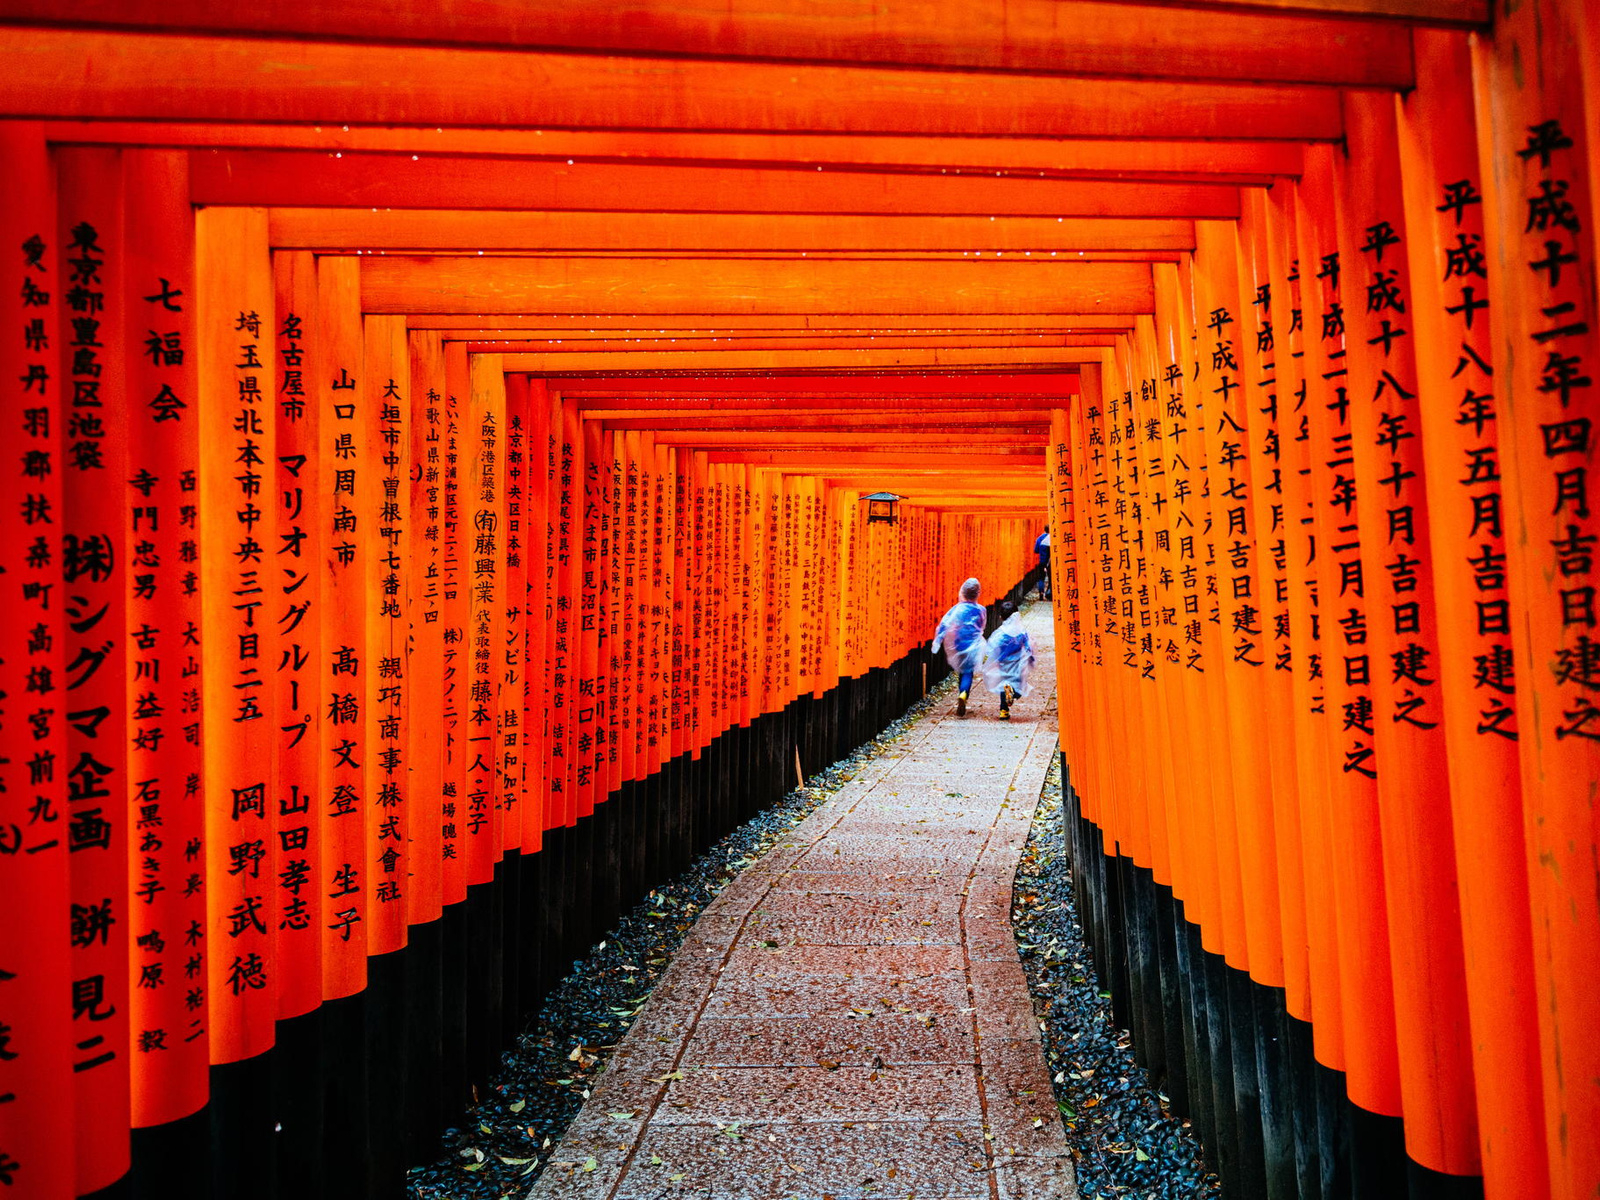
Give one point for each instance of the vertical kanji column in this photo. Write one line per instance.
(163, 548)
(347, 475)
(455, 670)
(94, 580)
(296, 612)
(1402, 641)
(1365, 972)
(510, 653)
(483, 512)
(239, 520)
(387, 400)
(425, 749)
(1452, 324)
(37, 1028)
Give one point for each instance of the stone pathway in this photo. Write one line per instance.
(849, 1018)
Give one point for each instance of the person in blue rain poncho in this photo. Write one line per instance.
(1008, 660)
(960, 634)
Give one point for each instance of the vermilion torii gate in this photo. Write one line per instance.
(440, 442)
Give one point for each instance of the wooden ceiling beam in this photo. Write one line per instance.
(833, 423)
(1458, 14)
(492, 341)
(419, 283)
(796, 360)
(825, 440)
(1058, 156)
(1080, 37)
(318, 179)
(940, 462)
(728, 345)
(910, 389)
(606, 324)
(94, 74)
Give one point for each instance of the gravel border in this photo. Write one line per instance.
(505, 1139)
(1124, 1138)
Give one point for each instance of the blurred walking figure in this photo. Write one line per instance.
(1008, 660)
(1041, 547)
(960, 633)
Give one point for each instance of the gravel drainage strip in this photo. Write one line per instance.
(1123, 1136)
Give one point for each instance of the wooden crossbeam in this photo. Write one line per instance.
(1084, 38)
(914, 389)
(849, 359)
(554, 350)
(608, 324)
(51, 72)
(319, 180)
(404, 284)
(1061, 156)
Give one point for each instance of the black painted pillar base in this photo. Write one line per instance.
(360, 1089)
(1275, 1124)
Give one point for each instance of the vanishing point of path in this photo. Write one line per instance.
(849, 1018)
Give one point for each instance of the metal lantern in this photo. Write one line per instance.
(880, 507)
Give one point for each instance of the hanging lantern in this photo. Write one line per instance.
(880, 507)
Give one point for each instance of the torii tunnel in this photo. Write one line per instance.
(438, 510)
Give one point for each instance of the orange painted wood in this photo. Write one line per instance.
(579, 354)
(91, 239)
(386, 396)
(595, 640)
(1542, 259)
(347, 475)
(1371, 1060)
(1233, 160)
(1440, 12)
(724, 231)
(484, 532)
(319, 180)
(1438, 146)
(453, 284)
(298, 681)
(511, 652)
(165, 617)
(1311, 957)
(1231, 423)
(1437, 1089)
(572, 561)
(591, 323)
(1261, 359)
(425, 746)
(36, 943)
(454, 556)
(804, 360)
(237, 379)
(1034, 36)
(72, 73)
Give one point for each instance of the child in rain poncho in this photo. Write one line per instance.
(1008, 660)
(960, 633)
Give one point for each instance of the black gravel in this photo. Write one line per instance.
(1123, 1137)
(506, 1138)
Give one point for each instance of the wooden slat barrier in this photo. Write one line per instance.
(424, 530)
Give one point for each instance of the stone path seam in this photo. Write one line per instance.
(849, 1018)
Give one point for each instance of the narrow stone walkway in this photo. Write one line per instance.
(849, 1019)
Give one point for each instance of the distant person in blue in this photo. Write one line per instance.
(1008, 660)
(960, 634)
(1041, 547)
